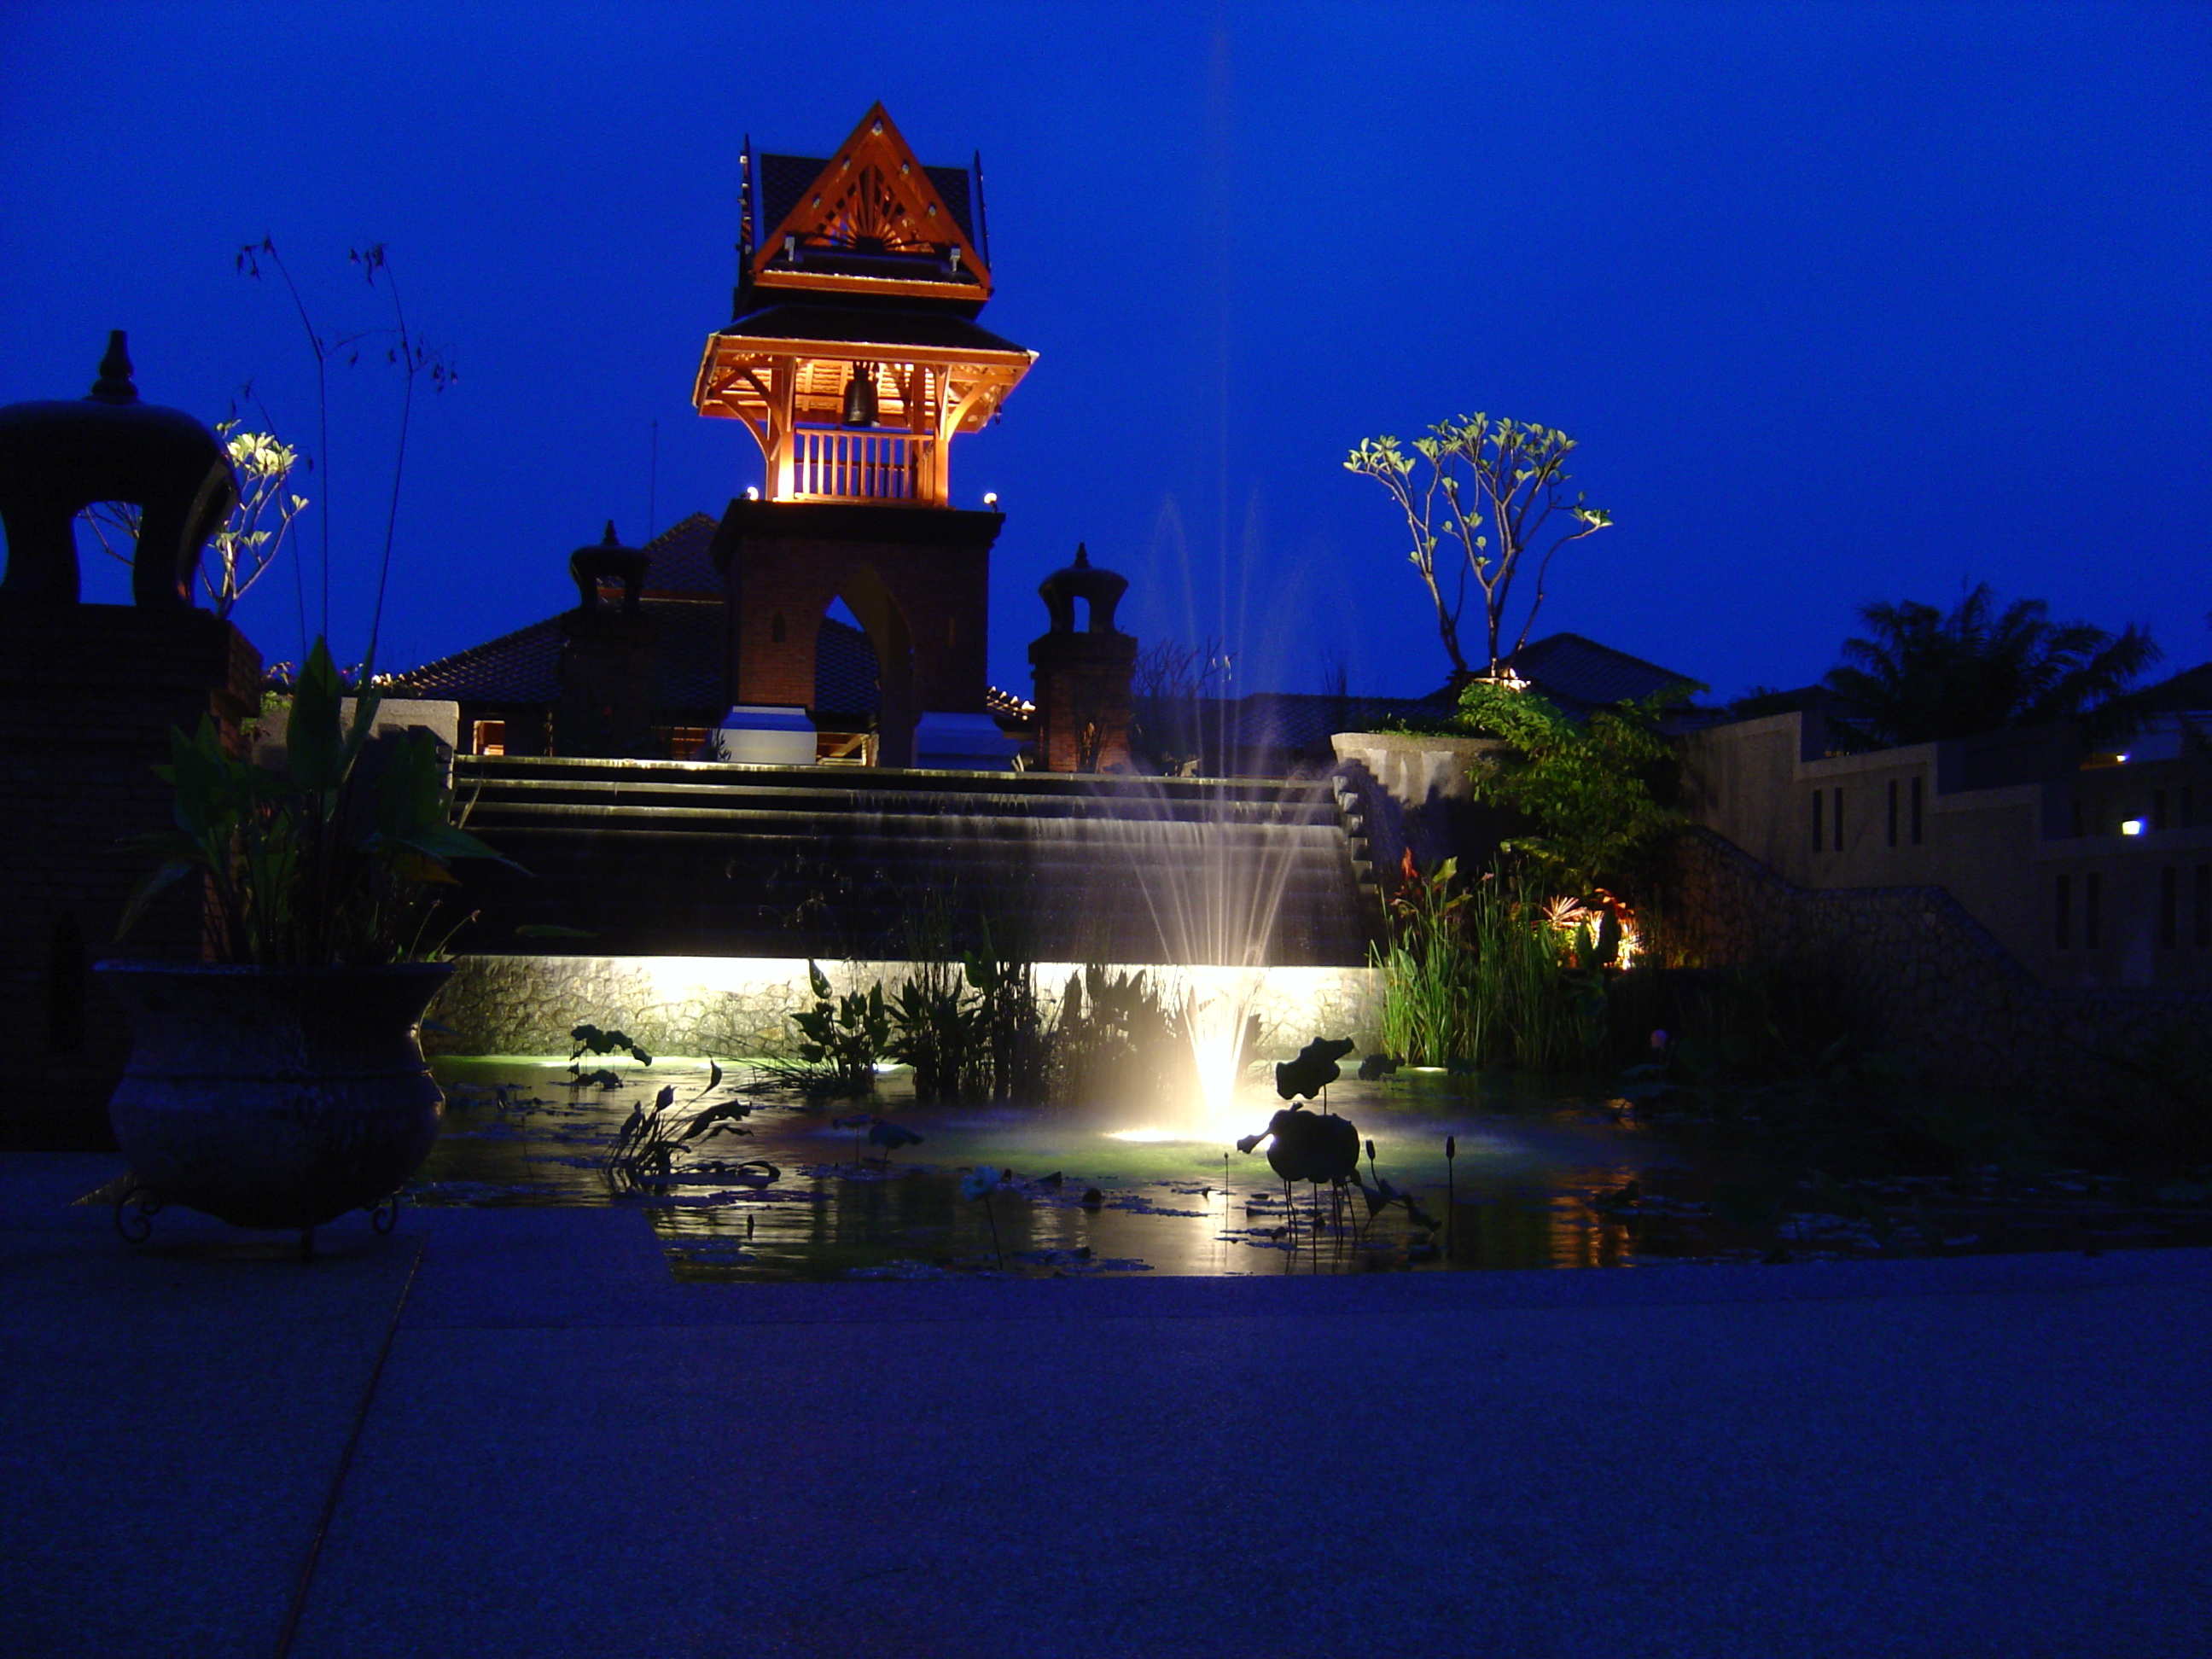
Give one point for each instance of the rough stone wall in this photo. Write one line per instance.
(742, 1005)
(1932, 984)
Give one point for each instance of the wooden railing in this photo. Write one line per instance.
(833, 463)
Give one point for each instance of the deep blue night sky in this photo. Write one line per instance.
(1843, 302)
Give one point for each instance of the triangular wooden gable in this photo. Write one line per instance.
(871, 195)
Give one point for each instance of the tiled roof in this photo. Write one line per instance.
(1302, 721)
(687, 656)
(1581, 674)
(2188, 692)
(524, 667)
(854, 326)
(845, 670)
(1288, 720)
(518, 667)
(680, 560)
(1576, 673)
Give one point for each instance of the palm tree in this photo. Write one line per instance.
(1922, 676)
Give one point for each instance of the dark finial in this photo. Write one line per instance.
(746, 196)
(1451, 1146)
(742, 289)
(610, 539)
(113, 386)
(1082, 558)
(982, 215)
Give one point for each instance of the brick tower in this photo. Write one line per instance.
(1082, 675)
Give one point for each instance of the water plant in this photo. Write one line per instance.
(891, 1137)
(1475, 972)
(1317, 1148)
(1451, 1184)
(1427, 972)
(643, 1153)
(980, 1184)
(869, 1130)
(1315, 1067)
(1018, 1039)
(968, 1018)
(843, 1037)
(1118, 1039)
(937, 1028)
(590, 1040)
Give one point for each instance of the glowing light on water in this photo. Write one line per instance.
(1213, 881)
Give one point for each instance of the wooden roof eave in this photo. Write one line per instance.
(721, 346)
(726, 352)
(803, 280)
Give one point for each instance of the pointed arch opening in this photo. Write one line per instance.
(867, 600)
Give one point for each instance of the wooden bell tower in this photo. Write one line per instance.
(855, 359)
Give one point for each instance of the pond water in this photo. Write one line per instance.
(1548, 1174)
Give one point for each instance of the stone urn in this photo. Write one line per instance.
(273, 1096)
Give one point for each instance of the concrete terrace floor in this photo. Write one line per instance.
(510, 1432)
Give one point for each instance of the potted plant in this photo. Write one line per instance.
(281, 1083)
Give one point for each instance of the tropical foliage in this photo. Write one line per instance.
(321, 861)
(846, 1035)
(1473, 973)
(1919, 675)
(1593, 788)
(1488, 488)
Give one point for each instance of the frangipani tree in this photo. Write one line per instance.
(1485, 492)
(251, 538)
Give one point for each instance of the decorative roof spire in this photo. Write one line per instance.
(113, 386)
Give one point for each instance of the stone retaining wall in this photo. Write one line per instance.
(742, 1005)
(1930, 984)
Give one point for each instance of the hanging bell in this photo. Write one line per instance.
(859, 397)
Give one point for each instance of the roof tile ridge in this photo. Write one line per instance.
(1610, 650)
(477, 651)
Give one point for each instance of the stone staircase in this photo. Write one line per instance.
(673, 858)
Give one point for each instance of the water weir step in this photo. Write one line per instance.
(683, 858)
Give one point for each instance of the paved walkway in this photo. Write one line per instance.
(508, 1432)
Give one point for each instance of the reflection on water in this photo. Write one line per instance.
(1530, 1165)
(1542, 1179)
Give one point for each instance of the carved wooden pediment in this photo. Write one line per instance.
(871, 202)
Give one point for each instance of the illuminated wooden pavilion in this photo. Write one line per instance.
(854, 357)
